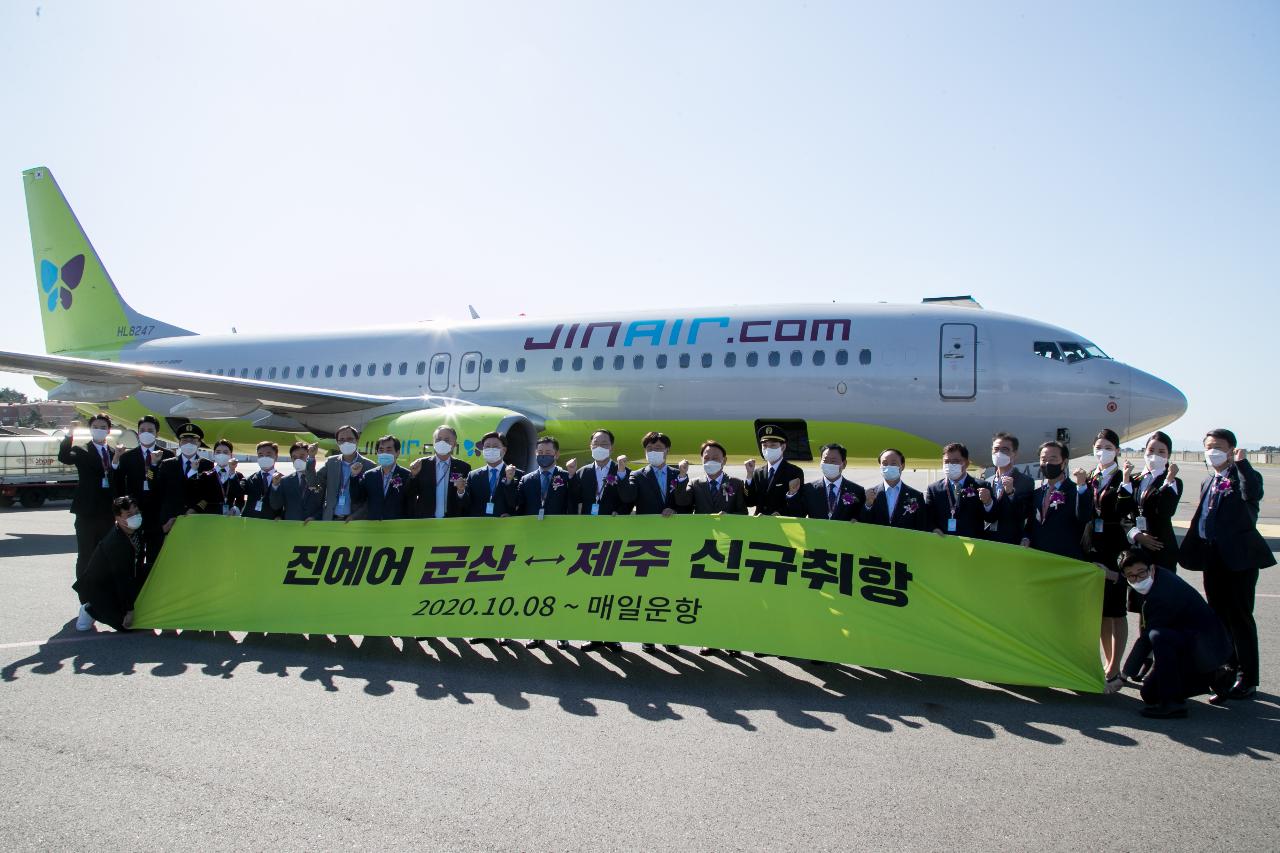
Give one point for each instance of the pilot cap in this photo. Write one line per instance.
(771, 432)
(190, 429)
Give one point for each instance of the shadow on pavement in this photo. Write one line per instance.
(37, 544)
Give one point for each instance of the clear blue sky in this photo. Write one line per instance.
(1112, 167)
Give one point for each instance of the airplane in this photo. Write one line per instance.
(912, 377)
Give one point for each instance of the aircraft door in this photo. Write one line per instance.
(438, 373)
(469, 372)
(957, 361)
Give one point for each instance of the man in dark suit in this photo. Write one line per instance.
(546, 491)
(602, 487)
(334, 480)
(892, 503)
(297, 496)
(182, 492)
(230, 482)
(1223, 542)
(1006, 493)
(1188, 644)
(114, 575)
(433, 490)
(136, 477)
(1059, 509)
(258, 485)
(768, 486)
(717, 491)
(384, 489)
(952, 503)
(491, 491)
(831, 496)
(95, 486)
(656, 485)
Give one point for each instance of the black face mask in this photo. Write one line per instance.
(1051, 470)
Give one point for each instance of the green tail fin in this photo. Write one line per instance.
(81, 309)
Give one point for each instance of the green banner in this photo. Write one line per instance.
(852, 593)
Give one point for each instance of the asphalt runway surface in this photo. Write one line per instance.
(232, 742)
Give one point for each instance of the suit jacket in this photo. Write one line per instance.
(1235, 537)
(131, 477)
(1174, 604)
(180, 493)
(616, 497)
(298, 497)
(1007, 518)
(329, 479)
(91, 498)
(730, 497)
(970, 518)
(1113, 505)
(649, 499)
(423, 489)
(112, 577)
(909, 512)
(559, 499)
(1157, 505)
(771, 497)
(383, 501)
(1060, 530)
(811, 501)
(506, 498)
(257, 488)
(232, 491)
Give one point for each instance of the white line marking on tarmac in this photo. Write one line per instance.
(52, 640)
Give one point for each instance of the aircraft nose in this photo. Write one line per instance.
(1153, 403)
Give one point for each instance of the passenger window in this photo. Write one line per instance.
(637, 363)
(842, 357)
(1047, 349)
(619, 362)
(219, 371)
(684, 359)
(775, 359)
(244, 373)
(257, 373)
(271, 374)
(342, 370)
(557, 363)
(471, 365)
(661, 361)
(730, 359)
(285, 373)
(422, 367)
(577, 362)
(488, 365)
(597, 363)
(328, 371)
(404, 368)
(440, 367)
(302, 370)
(706, 359)
(357, 370)
(819, 357)
(797, 358)
(503, 364)
(519, 365)
(753, 358)
(864, 356)
(386, 368)
(315, 371)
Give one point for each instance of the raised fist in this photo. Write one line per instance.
(276, 478)
(571, 466)
(1173, 471)
(357, 468)
(311, 450)
(794, 486)
(461, 485)
(511, 473)
(1006, 483)
(984, 495)
(1128, 470)
(684, 467)
(622, 462)
(1081, 476)
(416, 466)
(751, 468)
(1239, 454)
(232, 463)
(115, 457)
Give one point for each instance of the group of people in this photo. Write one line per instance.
(1117, 515)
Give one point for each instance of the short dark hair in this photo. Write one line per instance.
(1007, 436)
(149, 419)
(298, 445)
(122, 505)
(488, 435)
(101, 416)
(1109, 435)
(838, 448)
(354, 431)
(1131, 557)
(1060, 446)
(1162, 438)
(652, 437)
(1225, 434)
(222, 441)
(901, 456)
(711, 442)
(549, 439)
(271, 444)
(395, 442)
(612, 440)
(957, 447)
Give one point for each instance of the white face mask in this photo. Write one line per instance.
(712, 467)
(347, 448)
(890, 472)
(830, 470)
(1156, 464)
(146, 439)
(299, 465)
(1215, 457)
(222, 458)
(1143, 586)
(771, 454)
(953, 470)
(1000, 459)
(492, 454)
(1105, 457)
(133, 522)
(601, 453)
(386, 460)
(442, 448)
(655, 457)
(99, 435)
(188, 450)
(266, 463)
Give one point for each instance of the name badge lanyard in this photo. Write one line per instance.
(1099, 492)
(954, 503)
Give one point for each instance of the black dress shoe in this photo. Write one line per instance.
(563, 644)
(593, 645)
(480, 641)
(1218, 699)
(670, 647)
(616, 648)
(533, 644)
(734, 653)
(1242, 690)
(760, 654)
(708, 652)
(648, 647)
(1165, 711)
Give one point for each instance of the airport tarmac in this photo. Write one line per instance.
(218, 742)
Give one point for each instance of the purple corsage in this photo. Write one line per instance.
(969, 492)
(557, 481)
(910, 506)
(848, 499)
(1224, 487)
(1056, 499)
(395, 482)
(726, 490)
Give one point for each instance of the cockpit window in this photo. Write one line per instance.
(1068, 351)
(1048, 349)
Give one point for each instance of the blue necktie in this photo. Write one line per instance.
(493, 483)
(546, 482)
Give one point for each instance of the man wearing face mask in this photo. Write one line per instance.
(136, 477)
(603, 487)
(335, 480)
(491, 491)
(181, 490)
(1223, 542)
(892, 503)
(296, 497)
(434, 486)
(831, 496)
(258, 485)
(1180, 635)
(657, 484)
(716, 491)
(768, 486)
(1006, 493)
(385, 489)
(1058, 511)
(546, 491)
(229, 481)
(952, 503)
(113, 576)
(95, 488)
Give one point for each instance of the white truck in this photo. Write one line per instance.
(30, 472)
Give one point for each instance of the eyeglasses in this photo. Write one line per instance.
(1137, 576)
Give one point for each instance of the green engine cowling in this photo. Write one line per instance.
(415, 430)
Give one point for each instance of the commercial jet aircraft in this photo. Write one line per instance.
(912, 377)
